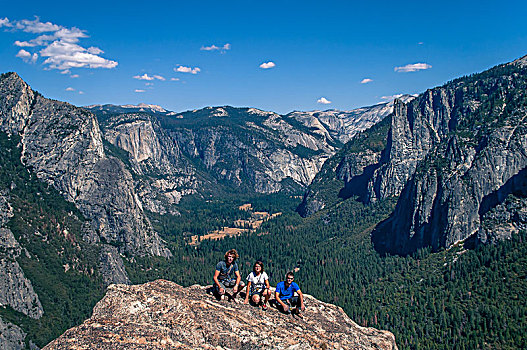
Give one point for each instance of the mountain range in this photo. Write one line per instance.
(82, 188)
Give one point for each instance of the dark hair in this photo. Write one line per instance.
(232, 252)
(290, 273)
(258, 263)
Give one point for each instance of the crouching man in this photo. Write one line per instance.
(284, 294)
(227, 275)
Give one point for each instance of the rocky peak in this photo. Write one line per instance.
(16, 105)
(162, 314)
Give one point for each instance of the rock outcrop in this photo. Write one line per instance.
(11, 336)
(162, 314)
(453, 154)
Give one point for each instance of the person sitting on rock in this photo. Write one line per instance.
(227, 275)
(258, 286)
(285, 297)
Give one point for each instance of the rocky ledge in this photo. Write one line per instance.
(162, 314)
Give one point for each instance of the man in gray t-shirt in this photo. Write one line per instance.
(227, 275)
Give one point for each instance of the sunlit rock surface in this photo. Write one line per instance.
(162, 314)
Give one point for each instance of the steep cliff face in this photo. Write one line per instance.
(162, 314)
(453, 154)
(11, 336)
(347, 173)
(16, 290)
(63, 145)
(163, 174)
(416, 128)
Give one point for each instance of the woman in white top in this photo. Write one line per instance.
(258, 286)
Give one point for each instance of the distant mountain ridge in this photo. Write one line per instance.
(231, 148)
(128, 108)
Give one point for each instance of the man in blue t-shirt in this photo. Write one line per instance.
(227, 275)
(285, 297)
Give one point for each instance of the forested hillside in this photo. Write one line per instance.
(454, 298)
(62, 268)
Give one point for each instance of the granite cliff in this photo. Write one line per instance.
(454, 153)
(162, 175)
(63, 146)
(346, 173)
(450, 156)
(162, 314)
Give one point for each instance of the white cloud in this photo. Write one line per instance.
(138, 90)
(60, 47)
(267, 65)
(412, 67)
(40, 40)
(420, 43)
(23, 54)
(36, 26)
(74, 76)
(64, 34)
(73, 35)
(324, 101)
(366, 81)
(70, 89)
(183, 69)
(391, 97)
(81, 92)
(144, 77)
(24, 44)
(27, 56)
(174, 79)
(148, 77)
(65, 55)
(4, 22)
(216, 48)
(94, 50)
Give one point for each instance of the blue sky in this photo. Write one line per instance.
(274, 55)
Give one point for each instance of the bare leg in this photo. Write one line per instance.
(267, 295)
